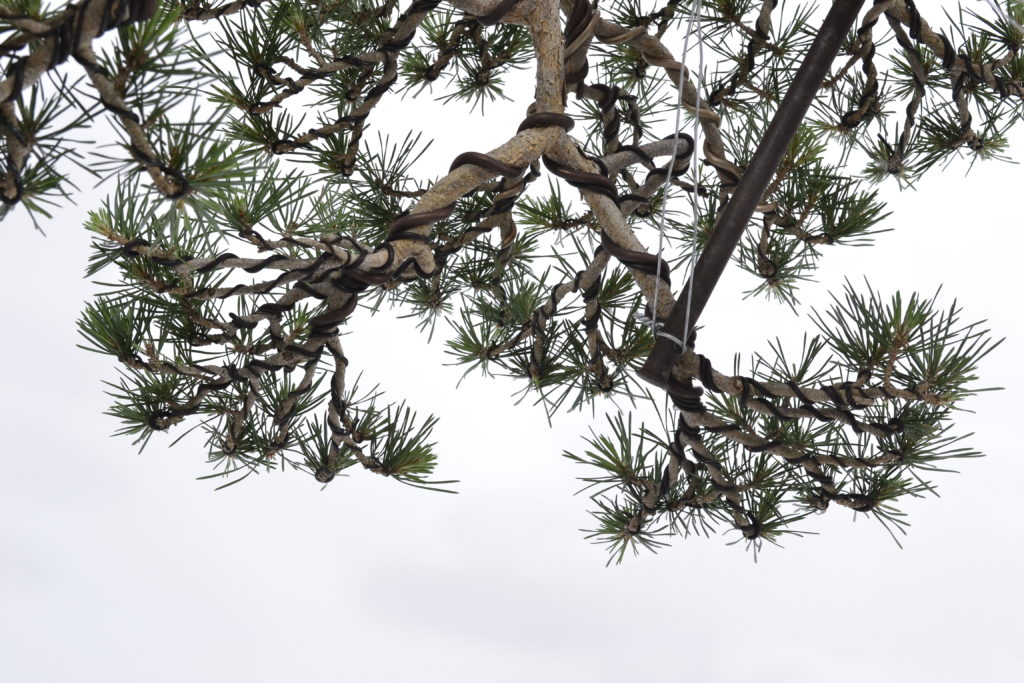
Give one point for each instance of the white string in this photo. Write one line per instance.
(695, 10)
(695, 178)
(1004, 15)
(655, 324)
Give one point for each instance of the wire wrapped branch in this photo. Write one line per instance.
(233, 300)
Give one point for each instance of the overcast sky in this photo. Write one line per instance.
(122, 567)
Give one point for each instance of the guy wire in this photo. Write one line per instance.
(694, 18)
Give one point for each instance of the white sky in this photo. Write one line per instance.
(121, 567)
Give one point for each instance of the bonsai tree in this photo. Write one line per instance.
(252, 213)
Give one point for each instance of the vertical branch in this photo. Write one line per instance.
(547, 40)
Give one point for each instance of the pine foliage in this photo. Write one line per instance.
(252, 211)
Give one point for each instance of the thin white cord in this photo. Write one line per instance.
(695, 10)
(1004, 15)
(695, 177)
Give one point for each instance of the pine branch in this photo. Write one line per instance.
(227, 304)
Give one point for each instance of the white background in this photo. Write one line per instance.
(116, 566)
